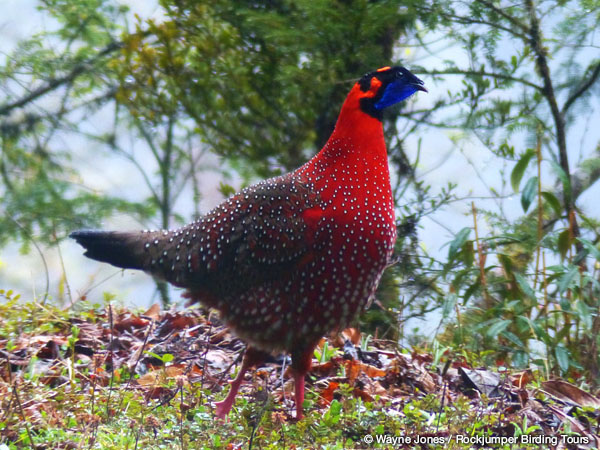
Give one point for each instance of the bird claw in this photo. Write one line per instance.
(222, 410)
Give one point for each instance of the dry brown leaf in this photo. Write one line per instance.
(325, 369)
(353, 369)
(176, 322)
(131, 322)
(576, 426)
(521, 379)
(362, 394)
(426, 381)
(372, 371)
(570, 393)
(153, 312)
(327, 393)
(158, 393)
(352, 334)
(160, 376)
(219, 359)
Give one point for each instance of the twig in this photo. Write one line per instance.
(57, 82)
(132, 370)
(582, 88)
(18, 400)
(261, 413)
(540, 215)
(480, 254)
(181, 418)
(499, 76)
(112, 361)
(502, 12)
(39, 250)
(205, 354)
(62, 265)
(437, 425)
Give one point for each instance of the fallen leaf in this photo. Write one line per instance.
(521, 379)
(153, 312)
(327, 393)
(160, 376)
(570, 393)
(352, 334)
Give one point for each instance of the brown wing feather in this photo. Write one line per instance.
(252, 237)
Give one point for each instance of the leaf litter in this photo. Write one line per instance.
(158, 355)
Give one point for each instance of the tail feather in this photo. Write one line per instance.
(120, 249)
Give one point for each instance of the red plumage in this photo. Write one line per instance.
(293, 257)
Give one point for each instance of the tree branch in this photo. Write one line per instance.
(54, 83)
(584, 86)
(471, 21)
(507, 16)
(483, 74)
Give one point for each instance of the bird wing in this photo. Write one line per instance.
(254, 236)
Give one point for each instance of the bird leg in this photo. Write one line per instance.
(252, 358)
(301, 362)
(299, 384)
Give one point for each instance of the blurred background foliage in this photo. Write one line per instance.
(260, 85)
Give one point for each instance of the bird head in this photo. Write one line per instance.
(386, 87)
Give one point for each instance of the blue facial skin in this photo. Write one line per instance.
(399, 90)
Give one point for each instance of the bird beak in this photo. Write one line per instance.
(419, 87)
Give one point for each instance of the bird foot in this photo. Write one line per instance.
(222, 409)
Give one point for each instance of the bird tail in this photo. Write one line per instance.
(121, 249)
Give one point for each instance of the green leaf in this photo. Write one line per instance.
(498, 327)
(564, 243)
(565, 305)
(529, 192)
(562, 357)
(520, 359)
(513, 338)
(458, 242)
(562, 176)
(585, 314)
(524, 285)
(519, 169)
(591, 248)
(468, 253)
(539, 331)
(565, 280)
(553, 202)
(448, 306)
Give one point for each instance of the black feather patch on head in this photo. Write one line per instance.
(386, 76)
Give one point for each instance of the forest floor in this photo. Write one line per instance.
(105, 377)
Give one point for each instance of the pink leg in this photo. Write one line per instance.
(251, 358)
(299, 383)
(223, 407)
(301, 362)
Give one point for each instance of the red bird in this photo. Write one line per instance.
(294, 257)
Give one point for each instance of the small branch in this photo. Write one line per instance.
(540, 209)
(18, 401)
(508, 17)
(499, 76)
(39, 250)
(583, 87)
(57, 82)
(541, 61)
(471, 21)
(112, 360)
(480, 254)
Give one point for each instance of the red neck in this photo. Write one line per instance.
(356, 133)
